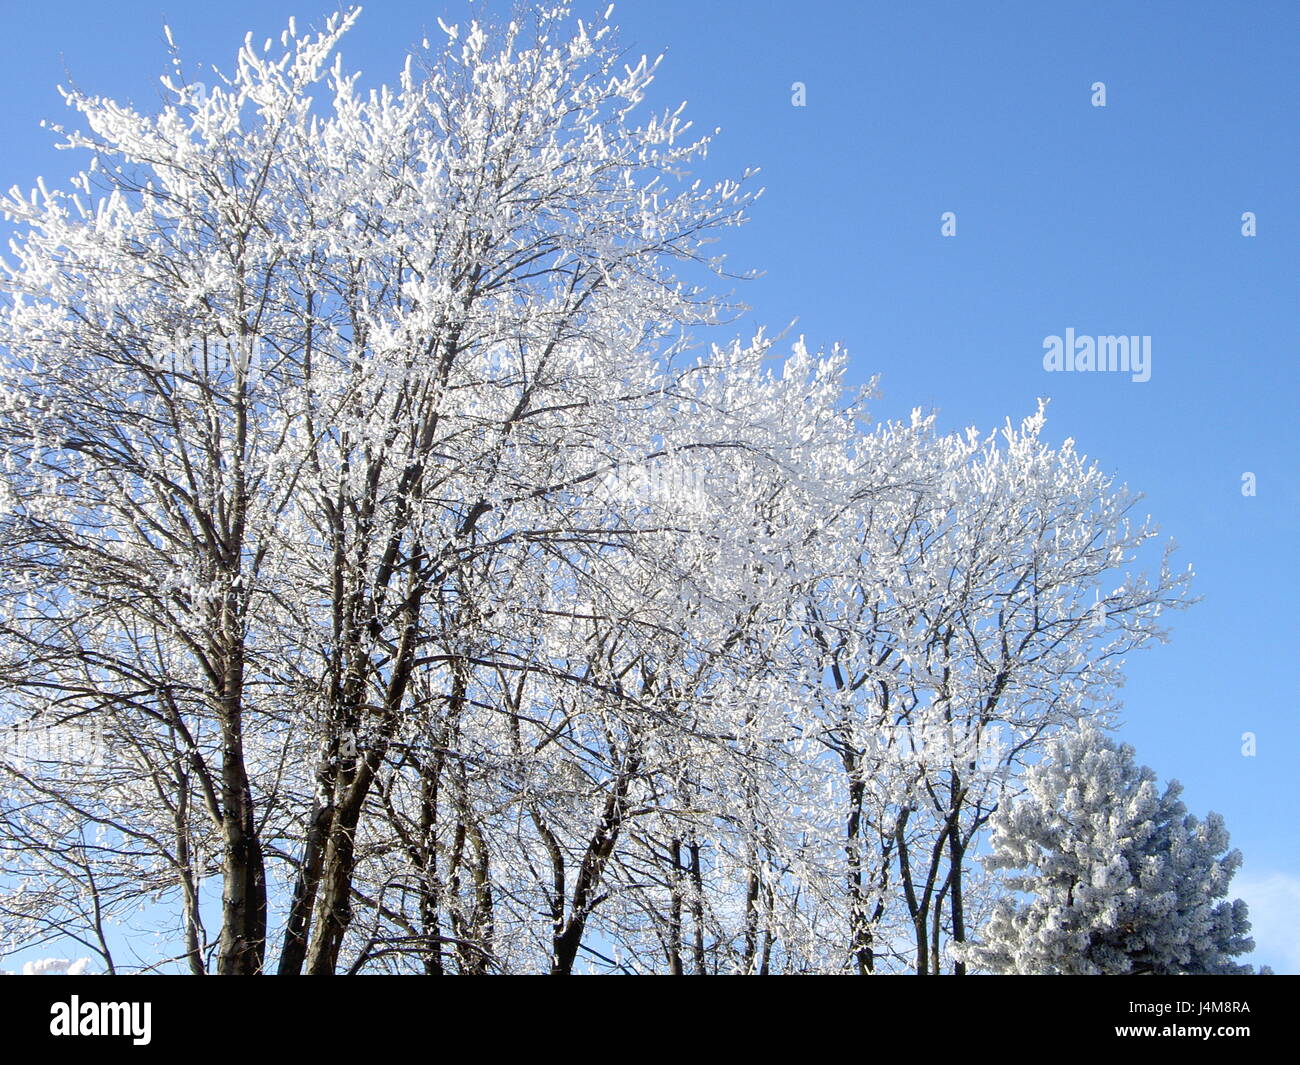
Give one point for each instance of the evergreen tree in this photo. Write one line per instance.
(1119, 878)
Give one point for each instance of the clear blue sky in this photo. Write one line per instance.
(1117, 220)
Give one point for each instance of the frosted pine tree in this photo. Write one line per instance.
(1113, 876)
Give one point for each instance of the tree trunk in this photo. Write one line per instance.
(243, 900)
(697, 910)
(956, 858)
(566, 944)
(674, 950)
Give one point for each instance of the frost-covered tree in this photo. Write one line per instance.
(400, 569)
(308, 399)
(55, 967)
(978, 604)
(1119, 877)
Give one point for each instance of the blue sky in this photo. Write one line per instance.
(1123, 219)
